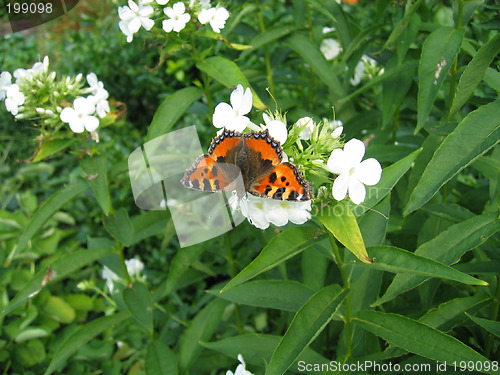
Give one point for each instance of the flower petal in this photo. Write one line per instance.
(340, 186)
(223, 114)
(277, 130)
(357, 191)
(369, 171)
(338, 162)
(355, 150)
(76, 125)
(277, 212)
(67, 114)
(90, 123)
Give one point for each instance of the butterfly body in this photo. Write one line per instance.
(254, 155)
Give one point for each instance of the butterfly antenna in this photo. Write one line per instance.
(274, 99)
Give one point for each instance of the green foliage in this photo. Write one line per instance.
(410, 276)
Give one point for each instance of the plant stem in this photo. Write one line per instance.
(347, 301)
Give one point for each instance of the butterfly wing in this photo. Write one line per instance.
(214, 171)
(283, 182)
(205, 175)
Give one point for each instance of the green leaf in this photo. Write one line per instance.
(271, 34)
(257, 348)
(96, 170)
(160, 360)
(341, 222)
(83, 335)
(140, 305)
(396, 260)
(51, 147)
(474, 72)
(65, 266)
(451, 313)
(475, 135)
(170, 110)
(201, 329)
(30, 334)
(417, 337)
(274, 294)
(394, 91)
(492, 79)
(438, 52)
(59, 310)
(311, 54)
(120, 227)
(282, 247)
(306, 325)
(491, 326)
(390, 177)
(373, 224)
(448, 247)
(229, 74)
(180, 264)
(40, 217)
(403, 24)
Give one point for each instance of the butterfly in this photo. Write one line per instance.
(254, 155)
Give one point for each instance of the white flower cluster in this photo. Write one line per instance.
(366, 68)
(140, 13)
(134, 269)
(37, 94)
(81, 116)
(12, 93)
(353, 173)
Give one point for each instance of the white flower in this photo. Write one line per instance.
(100, 101)
(80, 116)
(241, 369)
(353, 172)
(260, 212)
(5, 82)
(94, 83)
(307, 131)
(37, 68)
(178, 18)
(14, 98)
(327, 29)
(204, 4)
(280, 212)
(276, 128)
(110, 277)
(232, 117)
(336, 126)
(133, 17)
(216, 16)
(162, 2)
(359, 73)
(330, 48)
(134, 266)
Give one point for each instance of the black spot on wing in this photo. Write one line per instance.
(272, 177)
(283, 178)
(206, 185)
(221, 159)
(293, 195)
(268, 189)
(196, 184)
(279, 193)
